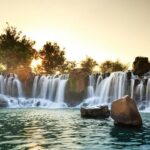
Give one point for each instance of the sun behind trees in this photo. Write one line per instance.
(16, 50)
(54, 60)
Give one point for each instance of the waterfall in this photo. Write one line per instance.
(140, 91)
(112, 87)
(148, 92)
(44, 85)
(1, 84)
(51, 87)
(107, 89)
(90, 88)
(60, 91)
(11, 85)
(49, 90)
(132, 88)
(34, 88)
(53, 82)
(16, 83)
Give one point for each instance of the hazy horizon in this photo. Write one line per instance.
(101, 29)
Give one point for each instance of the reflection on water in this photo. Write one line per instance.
(43, 129)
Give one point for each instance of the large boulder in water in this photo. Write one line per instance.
(141, 66)
(95, 112)
(76, 87)
(124, 112)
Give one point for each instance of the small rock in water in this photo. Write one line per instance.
(3, 103)
(142, 107)
(38, 104)
(95, 112)
(124, 112)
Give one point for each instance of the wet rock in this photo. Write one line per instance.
(76, 87)
(26, 76)
(3, 103)
(142, 107)
(124, 112)
(38, 104)
(95, 112)
(129, 74)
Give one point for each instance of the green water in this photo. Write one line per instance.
(61, 129)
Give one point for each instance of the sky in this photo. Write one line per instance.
(101, 29)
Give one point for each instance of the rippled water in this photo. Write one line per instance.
(44, 129)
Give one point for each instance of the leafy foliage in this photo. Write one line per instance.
(68, 66)
(88, 64)
(110, 66)
(15, 50)
(53, 57)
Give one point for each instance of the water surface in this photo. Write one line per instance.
(44, 129)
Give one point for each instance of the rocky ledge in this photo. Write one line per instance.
(95, 112)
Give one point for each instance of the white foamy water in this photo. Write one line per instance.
(115, 86)
(48, 91)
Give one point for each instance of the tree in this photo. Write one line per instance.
(15, 49)
(53, 57)
(110, 66)
(68, 66)
(88, 64)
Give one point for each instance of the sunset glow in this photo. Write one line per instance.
(35, 64)
(97, 28)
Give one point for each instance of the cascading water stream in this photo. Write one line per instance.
(112, 87)
(35, 86)
(61, 90)
(10, 85)
(49, 90)
(1, 84)
(132, 87)
(140, 91)
(148, 92)
(90, 88)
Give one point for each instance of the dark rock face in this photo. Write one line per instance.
(3, 103)
(76, 87)
(27, 77)
(129, 74)
(97, 112)
(141, 66)
(124, 112)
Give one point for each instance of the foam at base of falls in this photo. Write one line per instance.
(31, 102)
(48, 91)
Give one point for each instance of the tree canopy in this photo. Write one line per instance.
(88, 64)
(15, 49)
(110, 66)
(68, 66)
(53, 58)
